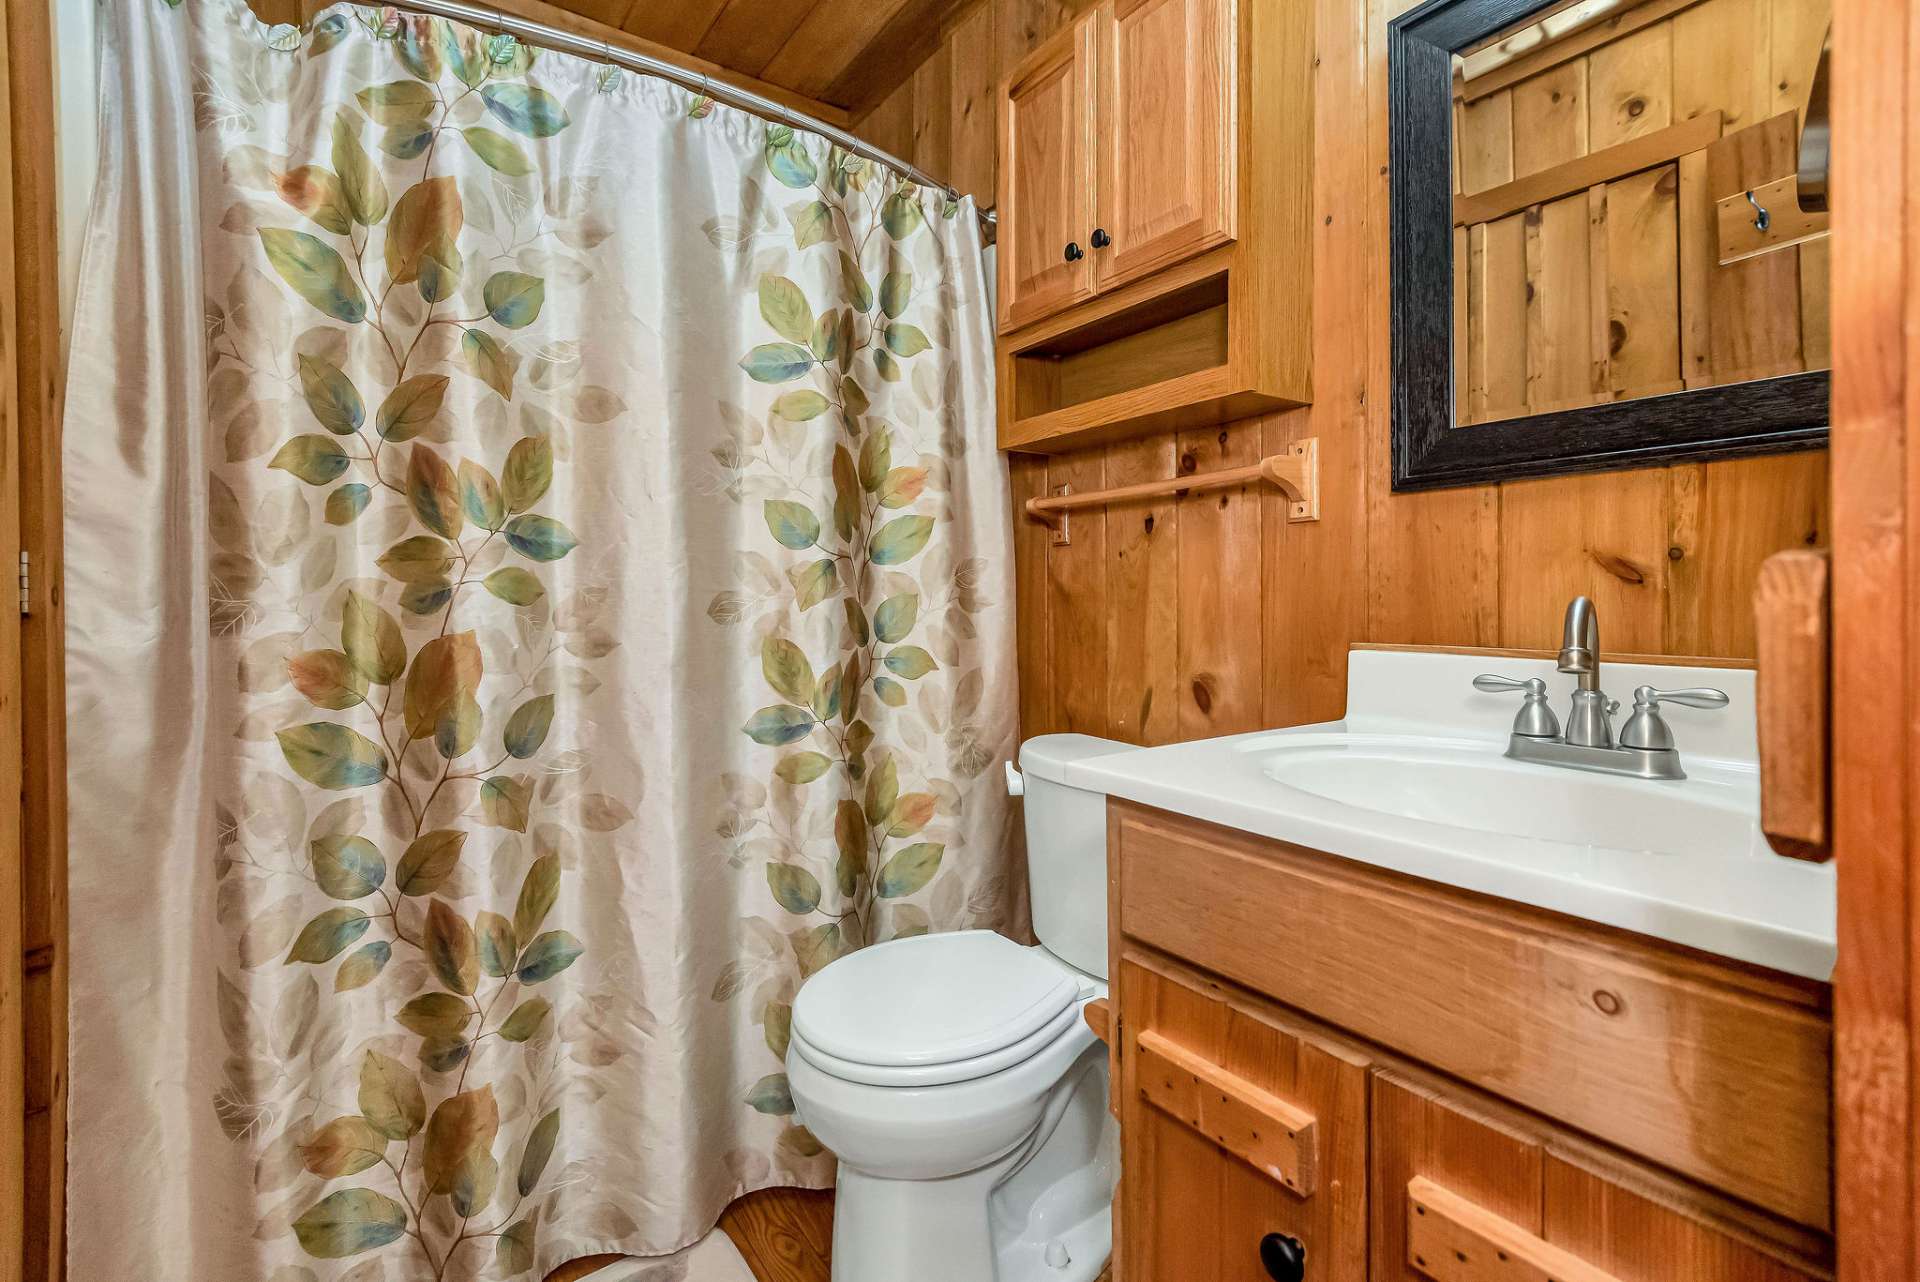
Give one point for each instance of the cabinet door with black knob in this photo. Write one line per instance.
(1169, 165)
(1243, 1149)
(1046, 179)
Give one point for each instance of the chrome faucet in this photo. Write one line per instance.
(1590, 724)
(1645, 748)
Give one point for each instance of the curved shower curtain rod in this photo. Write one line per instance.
(719, 90)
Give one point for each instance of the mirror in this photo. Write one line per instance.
(1605, 250)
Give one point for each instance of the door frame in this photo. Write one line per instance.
(33, 899)
(13, 748)
(1876, 629)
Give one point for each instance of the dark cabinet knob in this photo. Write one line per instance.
(1285, 1259)
(1100, 238)
(1074, 253)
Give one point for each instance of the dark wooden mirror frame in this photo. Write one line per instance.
(1761, 417)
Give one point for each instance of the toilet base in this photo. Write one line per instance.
(940, 1231)
(1041, 1212)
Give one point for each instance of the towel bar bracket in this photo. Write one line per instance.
(1296, 474)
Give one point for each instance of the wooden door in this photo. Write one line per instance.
(1234, 1130)
(1168, 83)
(1459, 1198)
(1875, 79)
(1046, 179)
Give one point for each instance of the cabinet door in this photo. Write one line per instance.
(1457, 1198)
(1168, 78)
(1234, 1131)
(1046, 180)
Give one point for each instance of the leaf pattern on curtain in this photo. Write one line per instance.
(565, 577)
(850, 549)
(396, 720)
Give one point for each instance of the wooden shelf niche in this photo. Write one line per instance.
(1178, 353)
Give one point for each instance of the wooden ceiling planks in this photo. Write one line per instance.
(846, 53)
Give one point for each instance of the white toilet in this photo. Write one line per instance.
(956, 1079)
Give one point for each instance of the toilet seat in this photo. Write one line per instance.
(964, 1070)
(933, 1010)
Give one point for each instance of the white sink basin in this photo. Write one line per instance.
(1415, 780)
(1467, 784)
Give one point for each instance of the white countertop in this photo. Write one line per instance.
(1753, 906)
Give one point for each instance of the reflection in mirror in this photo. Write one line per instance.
(1626, 214)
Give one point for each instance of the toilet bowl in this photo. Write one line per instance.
(959, 1167)
(956, 1080)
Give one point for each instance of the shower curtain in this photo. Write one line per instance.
(538, 589)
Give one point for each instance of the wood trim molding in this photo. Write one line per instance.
(16, 128)
(41, 893)
(1605, 165)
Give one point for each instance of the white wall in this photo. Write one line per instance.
(76, 133)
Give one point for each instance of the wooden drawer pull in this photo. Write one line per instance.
(1449, 1239)
(1253, 1124)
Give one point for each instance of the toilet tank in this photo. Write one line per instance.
(1067, 849)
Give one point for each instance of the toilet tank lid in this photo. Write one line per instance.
(1047, 756)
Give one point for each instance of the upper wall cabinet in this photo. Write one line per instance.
(1165, 134)
(1155, 211)
(1046, 195)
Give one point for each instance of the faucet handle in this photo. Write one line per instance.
(1693, 697)
(1647, 729)
(1535, 719)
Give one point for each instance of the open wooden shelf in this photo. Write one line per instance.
(1174, 352)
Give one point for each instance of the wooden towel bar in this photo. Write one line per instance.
(1295, 474)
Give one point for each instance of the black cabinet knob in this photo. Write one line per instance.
(1074, 253)
(1100, 238)
(1284, 1258)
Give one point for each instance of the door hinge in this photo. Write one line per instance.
(26, 582)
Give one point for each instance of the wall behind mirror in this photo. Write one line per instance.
(1592, 154)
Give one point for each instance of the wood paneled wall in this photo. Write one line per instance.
(1184, 618)
(1611, 289)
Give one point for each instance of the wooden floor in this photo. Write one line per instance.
(786, 1235)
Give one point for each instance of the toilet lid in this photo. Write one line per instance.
(931, 999)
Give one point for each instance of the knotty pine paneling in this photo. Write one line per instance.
(1614, 292)
(1184, 617)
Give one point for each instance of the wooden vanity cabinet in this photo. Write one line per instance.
(1414, 1082)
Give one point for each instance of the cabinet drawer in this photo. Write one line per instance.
(1233, 1130)
(1458, 1199)
(1715, 1071)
